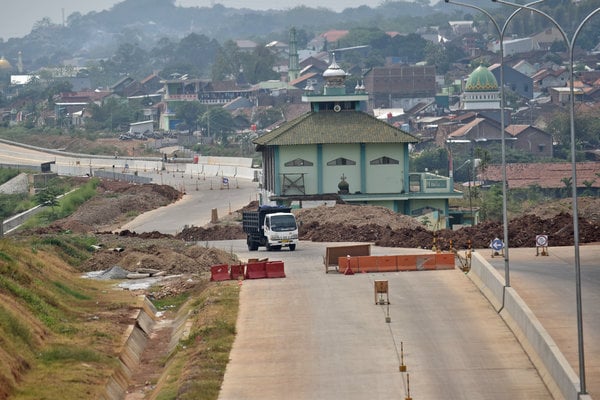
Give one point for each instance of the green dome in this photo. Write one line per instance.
(481, 80)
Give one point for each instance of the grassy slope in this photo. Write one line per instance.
(58, 332)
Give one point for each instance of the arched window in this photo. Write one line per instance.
(298, 162)
(341, 161)
(384, 161)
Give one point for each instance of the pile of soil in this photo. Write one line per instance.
(116, 201)
(165, 254)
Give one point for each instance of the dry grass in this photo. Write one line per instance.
(61, 333)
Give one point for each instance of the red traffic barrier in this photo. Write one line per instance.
(256, 270)
(275, 269)
(219, 272)
(237, 271)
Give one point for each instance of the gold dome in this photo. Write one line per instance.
(4, 64)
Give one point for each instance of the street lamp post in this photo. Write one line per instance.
(501, 32)
(571, 46)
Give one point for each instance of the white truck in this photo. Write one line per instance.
(271, 226)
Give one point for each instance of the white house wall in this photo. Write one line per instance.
(384, 178)
(308, 153)
(332, 174)
(380, 178)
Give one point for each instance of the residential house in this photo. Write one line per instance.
(152, 83)
(545, 39)
(400, 86)
(337, 152)
(549, 77)
(246, 46)
(516, 81)
(562, 95)
(205, 92)
(312, 80)
(546, 176)
(525, 68)
(513, 46)
(460, 28)
(531, 140)
(70, 107)
(127, 87)
(487, 133)
(314, 63)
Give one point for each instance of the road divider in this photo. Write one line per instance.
(415, 262)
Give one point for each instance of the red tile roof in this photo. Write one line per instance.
(546, 175)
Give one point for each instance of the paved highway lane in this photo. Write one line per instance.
(320, 336)
(547, 285)
(195, 209)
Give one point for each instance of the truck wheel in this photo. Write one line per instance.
(252, 246)
(292, 247)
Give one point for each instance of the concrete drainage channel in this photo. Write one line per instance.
(135, 341)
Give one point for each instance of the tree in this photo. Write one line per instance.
(218, 123)
(435, 159)
(130, 59)
(258, 66)
(491, 205)
(48, 196)
(267, 117)
(113, 114)
(190, 112)
(587, 128)
(227, 62)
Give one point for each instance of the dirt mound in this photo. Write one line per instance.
(355, 216)
(165, 254)
(215, 232)
(343, 223)
(116, 202)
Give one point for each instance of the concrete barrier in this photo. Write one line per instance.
(489, 281)
(136, 339)
(556, 372)
(414, 262)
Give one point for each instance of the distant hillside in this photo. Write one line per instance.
(98, 34)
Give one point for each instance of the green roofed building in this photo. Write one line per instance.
(338, 152)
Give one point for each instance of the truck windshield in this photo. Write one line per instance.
(282, 223)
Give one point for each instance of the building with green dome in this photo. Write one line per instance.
(481, 91)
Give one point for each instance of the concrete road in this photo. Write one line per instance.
(195, 209)
(320, 336)
(547, 285)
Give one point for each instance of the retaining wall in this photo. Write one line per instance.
(557, 373)
(135, 342)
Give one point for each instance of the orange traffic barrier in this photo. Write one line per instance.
(445, 261)
(387, 264)
(425, 261)
(406, 260)
(256, 270)
(219, 272)
(274, 269)
(410, 262)
(366, 263)
(237, 271)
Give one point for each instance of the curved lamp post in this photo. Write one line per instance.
(501, 33)
(571, 46)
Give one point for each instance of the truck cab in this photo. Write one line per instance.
(272, 227)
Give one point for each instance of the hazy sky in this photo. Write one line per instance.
(19, 16)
